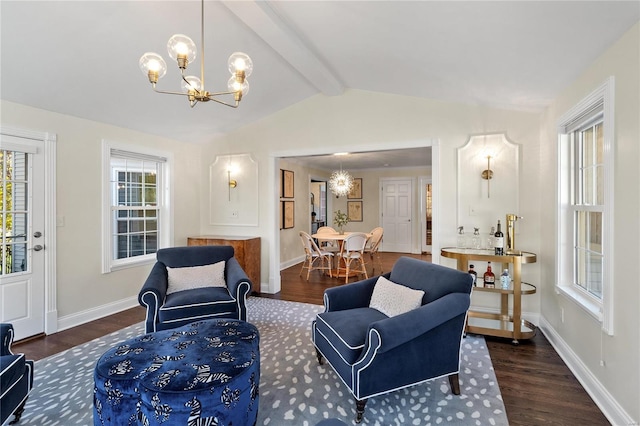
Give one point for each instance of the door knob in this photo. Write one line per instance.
(37, 234)
(37, 247)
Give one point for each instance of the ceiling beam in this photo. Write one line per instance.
(263, 19)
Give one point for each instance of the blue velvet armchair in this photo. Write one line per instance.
(16, 378)
(165, 311)
(375, 354)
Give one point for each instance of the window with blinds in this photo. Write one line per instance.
(585, 204)
(136, 194)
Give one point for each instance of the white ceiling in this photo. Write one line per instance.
(408, 157)
(81, 57)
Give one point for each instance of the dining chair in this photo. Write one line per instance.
(315, 258)
(353, 251)
(372, 247)
(328, 245)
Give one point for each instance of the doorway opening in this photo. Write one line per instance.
(432, 146)
(318, 204)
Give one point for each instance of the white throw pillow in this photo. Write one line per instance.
(394, 299)
(196, 277)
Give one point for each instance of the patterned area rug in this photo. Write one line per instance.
(294, 389)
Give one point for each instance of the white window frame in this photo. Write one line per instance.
(164, 189)
(599, 102)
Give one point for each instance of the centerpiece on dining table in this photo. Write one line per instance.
(340, 219)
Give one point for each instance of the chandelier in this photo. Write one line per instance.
(182, 49)
(340, 182)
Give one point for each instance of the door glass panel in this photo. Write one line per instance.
(14, 214)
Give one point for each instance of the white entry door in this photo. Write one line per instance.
(22, 210)
(397, 208)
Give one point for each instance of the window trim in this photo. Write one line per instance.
(601, 98)
(165, 193)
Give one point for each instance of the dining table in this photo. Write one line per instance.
(337, 236)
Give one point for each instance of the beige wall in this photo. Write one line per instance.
(290, 245)
(371, 198)
(586, 344)
(81, 287)
(358, 121)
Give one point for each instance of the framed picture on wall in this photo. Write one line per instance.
(288, 214)
(354, 211)
(356, 189)
(287, 184)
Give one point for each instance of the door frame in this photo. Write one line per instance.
(274, 284)
(423, 181)
(49, 231)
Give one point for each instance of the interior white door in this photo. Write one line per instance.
(397, 208)
(22, 265)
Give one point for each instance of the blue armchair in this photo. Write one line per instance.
(16, 378)
(172, 310)
(375, 354)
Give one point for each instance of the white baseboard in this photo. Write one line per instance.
(93, 314)
(266, 288)
(600, 395)
(291, 262)
(51, 322)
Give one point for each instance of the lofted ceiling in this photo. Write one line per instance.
(81, 57)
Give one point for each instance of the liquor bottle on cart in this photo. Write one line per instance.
(491, 238)
(499, 241)
(473, 274)
(489, 277)
(462, 240)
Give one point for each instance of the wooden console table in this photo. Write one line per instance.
(246, 250)
(502, 324)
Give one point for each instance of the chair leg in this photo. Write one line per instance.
(454, 381)
(364, 267)
(319, 356)
(373, 263)
(18, 412)
(306, 264)
(360, 409)
(346, 274)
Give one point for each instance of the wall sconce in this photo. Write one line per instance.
(232, 183)
(488, 175)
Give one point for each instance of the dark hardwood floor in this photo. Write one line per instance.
(537, 387)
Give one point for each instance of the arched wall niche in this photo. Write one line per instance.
(481, 201)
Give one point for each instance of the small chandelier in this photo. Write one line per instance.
(183, 50)
(340, 182)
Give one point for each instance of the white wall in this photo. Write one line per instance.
(82, 290)
(358, 121)
(361, 120)
(579, 338)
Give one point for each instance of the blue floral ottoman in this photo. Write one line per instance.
(206, 372)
